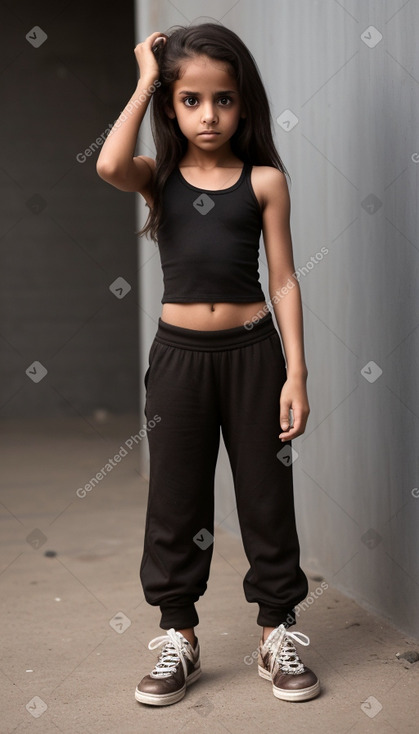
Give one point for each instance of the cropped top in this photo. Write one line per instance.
(209, 242)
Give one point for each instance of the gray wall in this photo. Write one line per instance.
(65, 235)
(353, 158)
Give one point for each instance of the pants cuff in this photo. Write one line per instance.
(178, 617)
(269, 617)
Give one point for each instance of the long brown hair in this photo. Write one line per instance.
(252, 142)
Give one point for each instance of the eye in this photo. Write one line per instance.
(227, 99)
(186, 99)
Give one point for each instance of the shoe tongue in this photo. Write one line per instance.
(182, 638)
(274, 634)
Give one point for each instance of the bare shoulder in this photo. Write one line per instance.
(270, 185)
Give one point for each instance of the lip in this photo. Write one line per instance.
(209, 132)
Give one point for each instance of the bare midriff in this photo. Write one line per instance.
(212, 316)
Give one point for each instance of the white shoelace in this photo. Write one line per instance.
(174, 650)
(283, 652)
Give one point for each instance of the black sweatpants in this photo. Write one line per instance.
(198, 382)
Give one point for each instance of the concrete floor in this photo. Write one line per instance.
(71, 660)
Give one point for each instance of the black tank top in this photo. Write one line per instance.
(209, 242)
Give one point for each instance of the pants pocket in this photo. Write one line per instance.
(151, 353)
(146, 377)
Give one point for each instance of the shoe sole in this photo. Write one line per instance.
(165, 699)
(304, 694)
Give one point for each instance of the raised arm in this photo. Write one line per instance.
(116, 163)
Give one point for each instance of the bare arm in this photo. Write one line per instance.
(285, 294)
(116, 163)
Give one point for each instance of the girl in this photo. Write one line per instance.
(216, 360)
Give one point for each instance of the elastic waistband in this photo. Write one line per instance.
(217, 340)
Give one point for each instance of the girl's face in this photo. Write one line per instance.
(206, 98)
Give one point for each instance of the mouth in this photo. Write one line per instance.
(209, 132)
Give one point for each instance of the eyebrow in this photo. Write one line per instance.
(197, 94)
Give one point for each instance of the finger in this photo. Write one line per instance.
(294, 424)
(158, 44)
(158, 36)
(284, 415)
(296, 417)
(290, 435)
(151, 38)
(157, 47)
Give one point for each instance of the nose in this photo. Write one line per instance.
(208, 113)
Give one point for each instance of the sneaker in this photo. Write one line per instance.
(278, 662)
(178, 666)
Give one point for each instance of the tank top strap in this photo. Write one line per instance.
(248, 170)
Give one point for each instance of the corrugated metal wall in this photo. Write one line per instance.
(349, 73)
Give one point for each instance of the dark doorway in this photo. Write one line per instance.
(68, 275)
